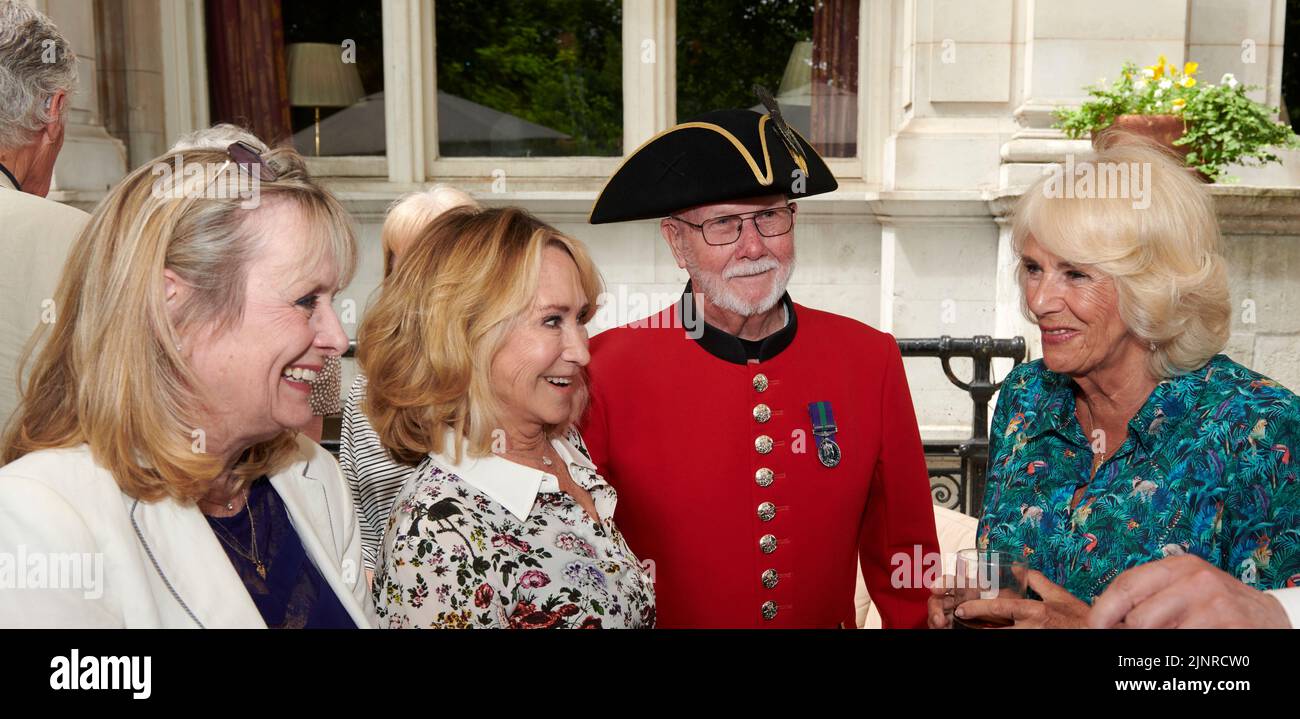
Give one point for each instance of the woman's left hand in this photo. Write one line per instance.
(1058, 610)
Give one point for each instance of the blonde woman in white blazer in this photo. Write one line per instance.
(152, 474)
(160, 564)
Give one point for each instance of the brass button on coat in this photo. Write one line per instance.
(763, 444)
(760, 382)
(770, 579)
(766, 511)
(762, 413)
(764, 477)
(767, 543)
(769, 610)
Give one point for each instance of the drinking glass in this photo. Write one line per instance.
(988, 574)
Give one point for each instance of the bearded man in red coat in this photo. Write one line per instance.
(760, 449)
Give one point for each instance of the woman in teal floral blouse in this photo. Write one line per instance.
(1132, 439)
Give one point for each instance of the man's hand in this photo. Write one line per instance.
(1058, 610)
(1184, 592)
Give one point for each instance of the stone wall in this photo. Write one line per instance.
(955, 109)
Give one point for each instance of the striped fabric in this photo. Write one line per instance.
(374, 477)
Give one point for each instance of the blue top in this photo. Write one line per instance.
(1207, 469)
(293, 595)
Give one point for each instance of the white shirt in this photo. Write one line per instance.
(1290, 599)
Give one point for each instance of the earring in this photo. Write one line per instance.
(1153, 346)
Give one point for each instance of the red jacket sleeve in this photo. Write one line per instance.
(899, 518)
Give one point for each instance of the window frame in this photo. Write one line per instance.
(649, 102)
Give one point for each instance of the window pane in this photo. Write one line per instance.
(536, 78)
(804, 51)
(334, 55)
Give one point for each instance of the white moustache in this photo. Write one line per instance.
(755, 267)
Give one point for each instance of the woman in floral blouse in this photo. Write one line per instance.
(1132, 439)
(475, 353)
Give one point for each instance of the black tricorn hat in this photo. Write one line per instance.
(717, 157)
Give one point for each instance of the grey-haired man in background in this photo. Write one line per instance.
(38, 74)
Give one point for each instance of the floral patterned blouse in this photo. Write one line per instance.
(1207, 469)
(489, 543)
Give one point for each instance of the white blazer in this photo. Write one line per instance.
(35, 236)
(159, 564)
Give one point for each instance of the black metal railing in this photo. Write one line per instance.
(965, 492)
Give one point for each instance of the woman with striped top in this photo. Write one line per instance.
(374, 477)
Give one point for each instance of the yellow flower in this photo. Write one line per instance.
(1179, 103)
(1190, 69)
(1188, 81)
(1158, 69)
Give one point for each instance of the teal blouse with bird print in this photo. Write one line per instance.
(1207, 469)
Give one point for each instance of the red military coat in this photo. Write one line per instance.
(741, 538)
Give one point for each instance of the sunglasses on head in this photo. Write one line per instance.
(245, 154)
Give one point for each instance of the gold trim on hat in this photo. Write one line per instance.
(764, 179)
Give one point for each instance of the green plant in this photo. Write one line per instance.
(1223, 125)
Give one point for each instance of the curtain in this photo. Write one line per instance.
(835, 78)
(247, 78)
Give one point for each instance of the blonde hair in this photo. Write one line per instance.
(427, 344)
(1166, 258)
(110, 373)
(410, 214)
(218, 137)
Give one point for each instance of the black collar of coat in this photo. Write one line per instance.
(728, 347)
(12, 180)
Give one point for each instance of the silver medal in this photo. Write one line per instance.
(828, 452)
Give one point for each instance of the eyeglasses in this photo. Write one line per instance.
(726, 229)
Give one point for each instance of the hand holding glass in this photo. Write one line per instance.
(987, 574)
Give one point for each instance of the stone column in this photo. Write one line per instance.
(1066, 46)
(649, 70)
(91, 160)
(131, 76)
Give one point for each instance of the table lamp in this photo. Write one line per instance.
(318, 78)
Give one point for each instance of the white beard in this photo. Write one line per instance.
(714, 285)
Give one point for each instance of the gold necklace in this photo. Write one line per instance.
(1098, 457)
(229, 539)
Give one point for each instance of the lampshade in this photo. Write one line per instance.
(796, 82)
(318, 77)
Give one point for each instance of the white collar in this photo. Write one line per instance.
(510, 484)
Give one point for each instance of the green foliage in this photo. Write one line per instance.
(1224, 126)
(556, 63)
(725, 46)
